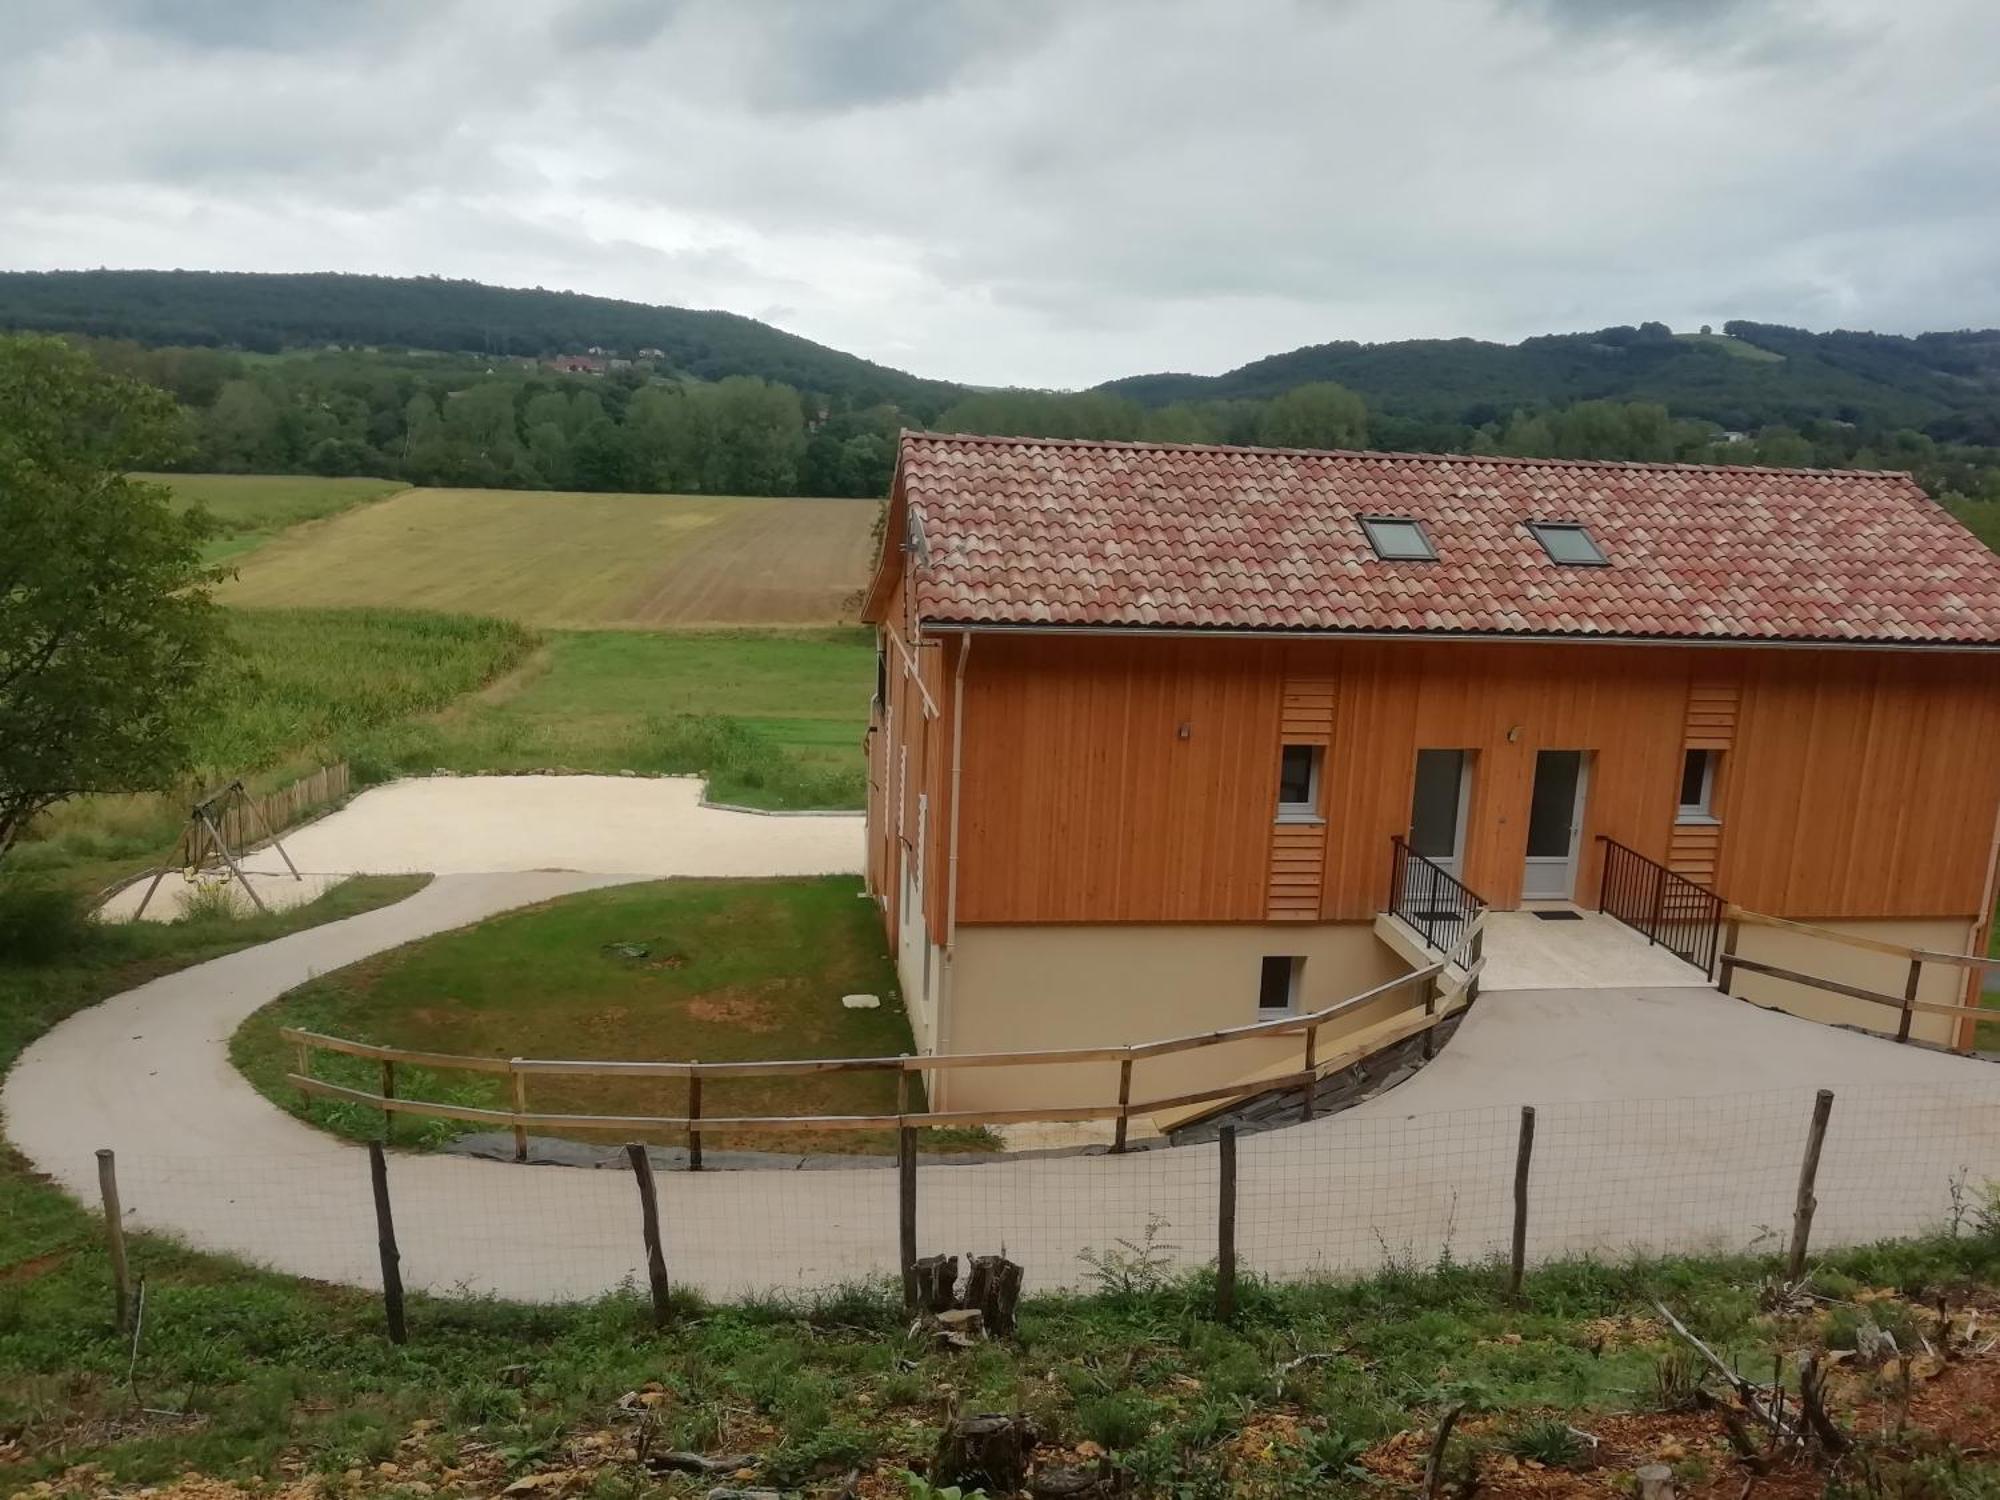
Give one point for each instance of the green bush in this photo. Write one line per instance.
(40, 921)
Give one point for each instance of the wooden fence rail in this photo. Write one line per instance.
(237, 819)
(1422, 1013)
(1906, 1004)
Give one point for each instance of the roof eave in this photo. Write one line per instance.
(1517, 637)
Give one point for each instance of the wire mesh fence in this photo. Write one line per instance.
(1341, 1196)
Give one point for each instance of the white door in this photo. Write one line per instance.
(1555, 825)
(1437, 808)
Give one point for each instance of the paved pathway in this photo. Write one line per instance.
(1670, 1118)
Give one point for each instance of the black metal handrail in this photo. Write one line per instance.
(1668, 909)
(1440, 906)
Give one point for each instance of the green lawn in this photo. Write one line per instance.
(731, 970)
(253, 508)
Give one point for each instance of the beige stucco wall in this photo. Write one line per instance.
(1019, 988)
(1943, 984)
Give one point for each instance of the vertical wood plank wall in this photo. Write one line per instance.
(1126, 780)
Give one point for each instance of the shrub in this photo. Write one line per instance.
(1116, 1422)
(40, 921)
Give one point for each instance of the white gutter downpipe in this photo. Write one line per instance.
(951, 864)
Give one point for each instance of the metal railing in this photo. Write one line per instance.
(1667, 909)
(1440, 906)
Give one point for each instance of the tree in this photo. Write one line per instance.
(106, 624)
(1320, 415)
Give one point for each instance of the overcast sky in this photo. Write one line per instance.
(1018, 192)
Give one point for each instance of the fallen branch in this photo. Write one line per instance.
(1747, 1391)
(1434, 1465)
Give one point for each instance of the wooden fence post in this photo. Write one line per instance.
(114, 1238)
(694, 1116)
(388, 1092)
(385, 1243)
(1910, 984)
(906, 1212)
(1807, 1204)
(1523, 1156)
(1308, 1103)
(520, 1108)
(1731, 936)
(1225, 1225)
(1124, 1103)
(649, 1225)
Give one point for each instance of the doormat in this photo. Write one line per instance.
(1560, 916)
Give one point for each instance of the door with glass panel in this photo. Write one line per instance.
(1555, 825)
(1437, 808)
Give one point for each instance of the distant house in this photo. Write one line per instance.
(1164, 738)
(577, 364)
(652, 354)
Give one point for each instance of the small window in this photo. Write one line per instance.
(1298, 782)
(1698, 786)
(1399, 539)
(1278, 986)
(1569, 544)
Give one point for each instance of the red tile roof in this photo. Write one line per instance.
(1035, 531)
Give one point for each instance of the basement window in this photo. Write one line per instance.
(1399, 538)
(1278, 986)
(1569, 543)
(1697, 803)
(1298, 784)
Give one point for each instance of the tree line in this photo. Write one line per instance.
(510, 424)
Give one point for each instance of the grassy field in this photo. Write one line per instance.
(300, 689)
(725, 970)
(1982, 518)
(775, 720)
(253, 508)
(577, 560)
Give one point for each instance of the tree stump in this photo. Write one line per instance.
(993, 1285)
(988, 1451)
(1656, 1482)
(937, 1283)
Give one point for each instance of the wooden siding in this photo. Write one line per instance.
(1862, 784)
(1295, 890)
(1298, 872)
(1711, 716)
(1694, 850)
(1856, 785)
(1713, 704)
(1084, 802)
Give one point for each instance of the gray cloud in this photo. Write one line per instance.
(1035, 192)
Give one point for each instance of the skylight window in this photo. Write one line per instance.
(1399, 539)
(1569, 543)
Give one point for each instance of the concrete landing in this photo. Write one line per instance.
(1594, 952)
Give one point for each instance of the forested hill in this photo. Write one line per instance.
(265, 313)
(1748, 376)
